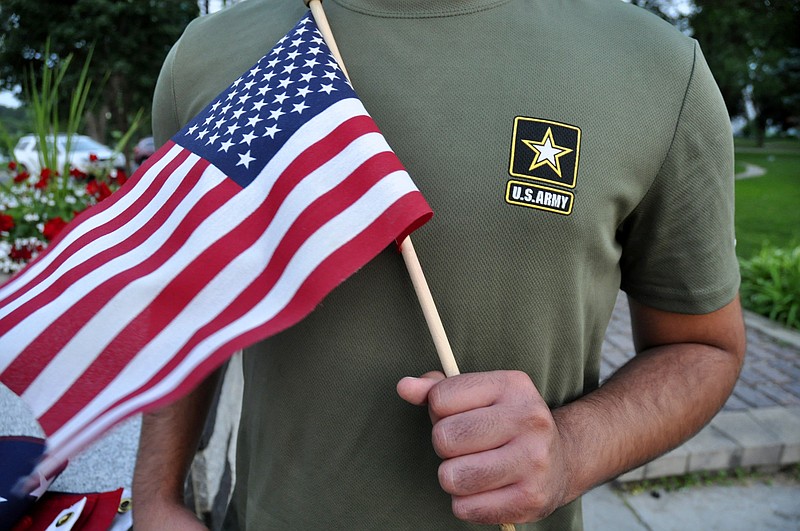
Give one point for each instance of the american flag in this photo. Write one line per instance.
(234, 230)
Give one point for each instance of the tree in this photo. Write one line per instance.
(753, 49)
(129, 38)
(14, 122)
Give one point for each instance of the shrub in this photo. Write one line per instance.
(34, 208)
(771, 284)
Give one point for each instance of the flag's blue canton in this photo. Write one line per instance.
(246, 125)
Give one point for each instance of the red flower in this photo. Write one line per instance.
(121, 177)
(53, 227)
(21, 177)
(77, 174)
(6, 223)
(98, 190)
(12, 165)
(44, 178)
(92, 188)
(105, 191)
(23, 253)
(20, 254)
(92, 157)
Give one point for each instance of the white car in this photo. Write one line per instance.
(85, 153)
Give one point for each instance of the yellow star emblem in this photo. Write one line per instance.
(547, 152)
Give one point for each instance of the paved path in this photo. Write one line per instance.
(759, 426)
(750, 171)
(753, 505)
(771, 373)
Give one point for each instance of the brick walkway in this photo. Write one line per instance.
(770, 376)
(759, 426)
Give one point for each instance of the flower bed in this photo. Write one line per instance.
(34, 208)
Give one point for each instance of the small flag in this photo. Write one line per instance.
(64, 511)
(18, 455)
(234, 230)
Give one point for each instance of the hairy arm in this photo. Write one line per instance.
(508, 458)
(167, 445)
(685, 369)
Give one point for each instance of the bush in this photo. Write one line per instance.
(771, 284)
(34, 208)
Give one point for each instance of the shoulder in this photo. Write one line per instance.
(231, 26)
(631, 35)
(215, 49)
(625, 22)
(634, 62)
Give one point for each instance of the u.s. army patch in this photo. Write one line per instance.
(544, 150)
(539, 197)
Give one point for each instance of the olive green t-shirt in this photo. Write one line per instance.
(568, 148)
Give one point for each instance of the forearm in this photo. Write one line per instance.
(507, 457)
(658, 400)
(167, 445)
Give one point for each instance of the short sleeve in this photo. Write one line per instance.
(678, 245)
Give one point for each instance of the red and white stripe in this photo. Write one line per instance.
(157, 286)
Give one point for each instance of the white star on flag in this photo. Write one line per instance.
(245, 159)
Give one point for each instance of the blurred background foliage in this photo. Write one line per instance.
(753, 49)
(130, 39)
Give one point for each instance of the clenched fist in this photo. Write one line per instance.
(503, 457)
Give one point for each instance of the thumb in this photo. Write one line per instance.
(415, 390)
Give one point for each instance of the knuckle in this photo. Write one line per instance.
(538, 456)
(459, 434)
(465, 511)
(536, 503)
(437, 400)
(537, 417)
(519, 379)
(459, 509)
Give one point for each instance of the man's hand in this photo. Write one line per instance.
(503, 456)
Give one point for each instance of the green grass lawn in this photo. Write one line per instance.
(768, 207)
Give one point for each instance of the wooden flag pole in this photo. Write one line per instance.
(435, 326)
(410, 258)
(421, 288)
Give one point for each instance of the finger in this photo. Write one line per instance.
(476, 473)
(474, 431)
(508, 504)
(415, 390)
(480, 389)
(492, 507)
